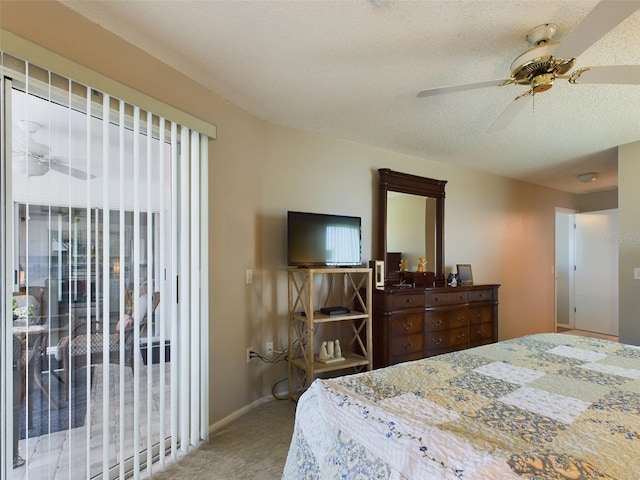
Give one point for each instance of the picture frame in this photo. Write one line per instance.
(465, 277)
(378, 273)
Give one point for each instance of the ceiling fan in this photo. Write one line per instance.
(547, 61)
(35, 159)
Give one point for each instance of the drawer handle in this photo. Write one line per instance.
(407, 346)
(462, 319)
(461, 297)
(409, 300)
(479, 315)
(407, 326)
(436, 323)
(480, 332)
(461, 336)
(436, 342)
(480, 295)
(437, 299)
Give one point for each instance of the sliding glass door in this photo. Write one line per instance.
(98, 201)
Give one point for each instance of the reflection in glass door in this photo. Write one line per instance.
(92, 253)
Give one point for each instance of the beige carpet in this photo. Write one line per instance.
(255, 447)
(585, 333)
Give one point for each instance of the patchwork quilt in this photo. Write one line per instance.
(547, 406)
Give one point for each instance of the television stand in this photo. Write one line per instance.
(349, 322)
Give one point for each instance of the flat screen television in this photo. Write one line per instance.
(323, 240)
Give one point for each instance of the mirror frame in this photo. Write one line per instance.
(391, 181)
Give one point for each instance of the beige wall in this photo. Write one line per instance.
(259, 170)
(629, 243)
(590, 202)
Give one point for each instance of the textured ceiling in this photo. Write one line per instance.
(352, 69)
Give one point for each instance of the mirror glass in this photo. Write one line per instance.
(411, 228)
(411, 225)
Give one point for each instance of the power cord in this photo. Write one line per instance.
(273, 389)
(280, 357)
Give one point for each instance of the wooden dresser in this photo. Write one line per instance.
(413, 323)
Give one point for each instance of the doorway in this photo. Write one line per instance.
(587, 271)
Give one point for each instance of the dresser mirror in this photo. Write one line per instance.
(411, 223)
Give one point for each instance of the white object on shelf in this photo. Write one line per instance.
(324, 353)
(330, 352)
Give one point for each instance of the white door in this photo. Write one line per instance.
(596, 279)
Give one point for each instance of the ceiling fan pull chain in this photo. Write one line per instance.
(533, 103)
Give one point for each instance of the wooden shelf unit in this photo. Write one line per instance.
(305, 318)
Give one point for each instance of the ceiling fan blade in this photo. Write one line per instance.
(430, 92)
(509, 113)
(603, 18)
(66, 169)
(613, 75)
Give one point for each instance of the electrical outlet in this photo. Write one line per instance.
(269, 349)
(249, 351)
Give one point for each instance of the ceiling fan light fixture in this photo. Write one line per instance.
(588, 177)
(38, 149)
(30, 167)
(530, 61)
(537, 61)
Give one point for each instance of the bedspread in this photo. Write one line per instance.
(547, 406)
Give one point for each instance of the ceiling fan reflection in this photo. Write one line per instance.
(34, 159)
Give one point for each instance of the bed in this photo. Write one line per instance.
(546, 406)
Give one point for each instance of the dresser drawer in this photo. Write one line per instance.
(446, 339)
(480, 333)
(406, 344)
(435, 321)
(410, 300)
(480, 295)
(405, 324)
(434, 299)
(480, 314)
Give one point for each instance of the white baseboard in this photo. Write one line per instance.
(220, 424)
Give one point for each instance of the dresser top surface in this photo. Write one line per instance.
(418, 290)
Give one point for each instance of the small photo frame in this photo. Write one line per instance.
(378, 273)
(465, 277)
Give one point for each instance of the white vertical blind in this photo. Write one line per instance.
(7, 278)
(163, 266)
(184, 287)
(106, 270)
(175, 310)
(194, 314)
(151, 287)
(121, 279)
(107, 243)
(204, 285)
